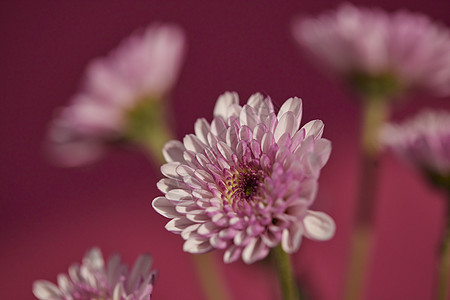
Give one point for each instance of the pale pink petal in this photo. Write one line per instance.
(294, 105)
(291, 238)
(318, 226)
(164, 207)
(45, 290)
(224, 102)
(314, 128)
(173, 151)
(254, 251)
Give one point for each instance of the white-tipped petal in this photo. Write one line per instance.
(140, 269)
(173, 151)
(202, 129)
(318, 226)
(291, 238)
(177, 225)
(287, 124)
(255, 250)
(314, 128)
(196, 246)
(94, 259)
(249, 117)
(232, 254)
(219, 128)
(224, 102)
(119, 292)
(164, 207)
(170, 170)
(64, 284)
(45, 290)
(322, 151)
(114, 269)
(193, 143)
(294, 105)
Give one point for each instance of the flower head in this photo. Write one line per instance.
(94, 280)
(380, 53)
(120, 90)
(245, 182)
(424, 142)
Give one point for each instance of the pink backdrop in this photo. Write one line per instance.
(50, 216)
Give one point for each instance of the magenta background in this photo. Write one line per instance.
(50, 216)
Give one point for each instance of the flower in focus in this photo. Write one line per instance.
(92, 280)
(380, 54)
(244, 182)
(424, 142)
(121, 97)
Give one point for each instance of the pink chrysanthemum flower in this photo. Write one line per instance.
(423, 141)
(94, 280)
(118, 90)
(378, 52)
(245, 182)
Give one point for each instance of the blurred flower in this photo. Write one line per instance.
(244, 183)
(121, 95)
(92, 280)
(380, 54)
(423, 141)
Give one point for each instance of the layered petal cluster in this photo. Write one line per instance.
(244, 182)
(93, 280)
(143, 67)
(424, 141)
(403, 50)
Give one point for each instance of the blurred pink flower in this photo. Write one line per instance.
(402, 51)
(92, 280)
(145, 66)
(245, 181)
(424, 141)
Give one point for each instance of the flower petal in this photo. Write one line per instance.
(294, 105)
(318, 226)
(314, 128)
(249, 117)
(45, 290)
(173, 151)
(255, 250)
(291, 238)
(224, 102)
(232, 254)
(165, 207)
(287, 124)
(94, 259)
(140, 269)
(197, 246)
(202, 129)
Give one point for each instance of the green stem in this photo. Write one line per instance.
(155, 141)
(443, 290)
(211, 279)
(375, 114)
(361, 242)
(282, 263)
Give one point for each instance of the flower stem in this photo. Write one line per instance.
(211, 279)
(376, 112)
(443, 290)
(282, 263)
(155, 141)
(360, 248)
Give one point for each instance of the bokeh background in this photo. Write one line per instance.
(50, 216)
